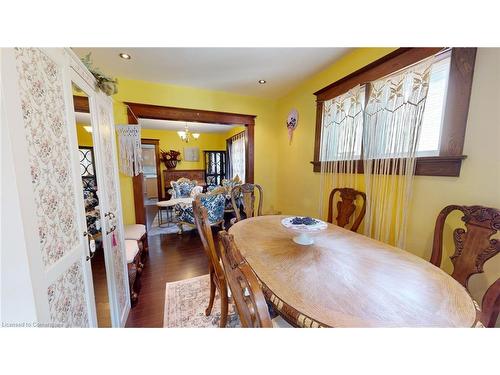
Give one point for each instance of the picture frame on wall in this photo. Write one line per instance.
(192, 154)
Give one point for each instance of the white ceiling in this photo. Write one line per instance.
(235, 70)
(194, 127)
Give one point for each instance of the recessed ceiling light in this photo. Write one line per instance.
(125, 56)
(262, 81)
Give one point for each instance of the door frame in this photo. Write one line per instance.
(156, 143)
(84, 104)
(157, 112)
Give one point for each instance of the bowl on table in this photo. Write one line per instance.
(304, 227)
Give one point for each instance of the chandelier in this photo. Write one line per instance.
(185, 134)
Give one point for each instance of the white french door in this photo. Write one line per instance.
(37, 108)
(109, 192)
(38, 112)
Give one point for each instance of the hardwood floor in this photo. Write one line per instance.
(101, 289)
(172, 257)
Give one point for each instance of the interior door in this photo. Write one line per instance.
(111, 206)
(38, 114)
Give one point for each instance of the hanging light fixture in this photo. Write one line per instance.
(185, 134)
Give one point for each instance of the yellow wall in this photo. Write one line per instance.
(84, 137)
(169, 140)
(186, 97)
(285, 170)
(299, 186)
(479, 182)
(234, 131)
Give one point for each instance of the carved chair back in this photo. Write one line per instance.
(473, 247)
(490, 307)
(245, 289)
(346, 207)
(205, 231)
(244, 196)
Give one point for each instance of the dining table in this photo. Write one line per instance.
(346, 279)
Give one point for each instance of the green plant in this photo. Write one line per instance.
(106, 84)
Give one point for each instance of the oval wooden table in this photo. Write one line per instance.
(349, 280)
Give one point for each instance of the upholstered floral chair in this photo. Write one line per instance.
(226, 186)
(213, 202)
(184, 188)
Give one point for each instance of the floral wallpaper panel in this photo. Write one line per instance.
(46, 130)
(67, 302)
(45, 124)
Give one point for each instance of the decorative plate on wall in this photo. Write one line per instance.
(291, 123)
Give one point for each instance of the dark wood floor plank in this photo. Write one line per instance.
(172, 257)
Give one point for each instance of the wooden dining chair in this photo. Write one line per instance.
(216, 273)
(245, 289)
(243, 200)
(346, 207)
(473, 247)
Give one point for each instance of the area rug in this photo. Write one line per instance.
(185, 304)
(166, 228)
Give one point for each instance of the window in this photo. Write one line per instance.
(432, 124)
(439, 151)
(215, 167)
(236, 147)
(342, 128)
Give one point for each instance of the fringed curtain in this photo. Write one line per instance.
(341, 137)
(392, 123)
(130, 151)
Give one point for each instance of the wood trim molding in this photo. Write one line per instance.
(81, 104)
(444, 166)
(387, 64)
(156, 143)
(457, 101)
(141, 110)
(449, 161)
(187, 114)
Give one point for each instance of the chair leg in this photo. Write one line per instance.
(170, 216)
(208, 311)
(224, 304)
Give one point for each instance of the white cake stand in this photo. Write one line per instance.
(304, 231)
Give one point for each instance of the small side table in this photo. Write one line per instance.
(169, 207)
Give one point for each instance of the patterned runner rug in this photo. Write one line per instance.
(166, 228)
(185, 304)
